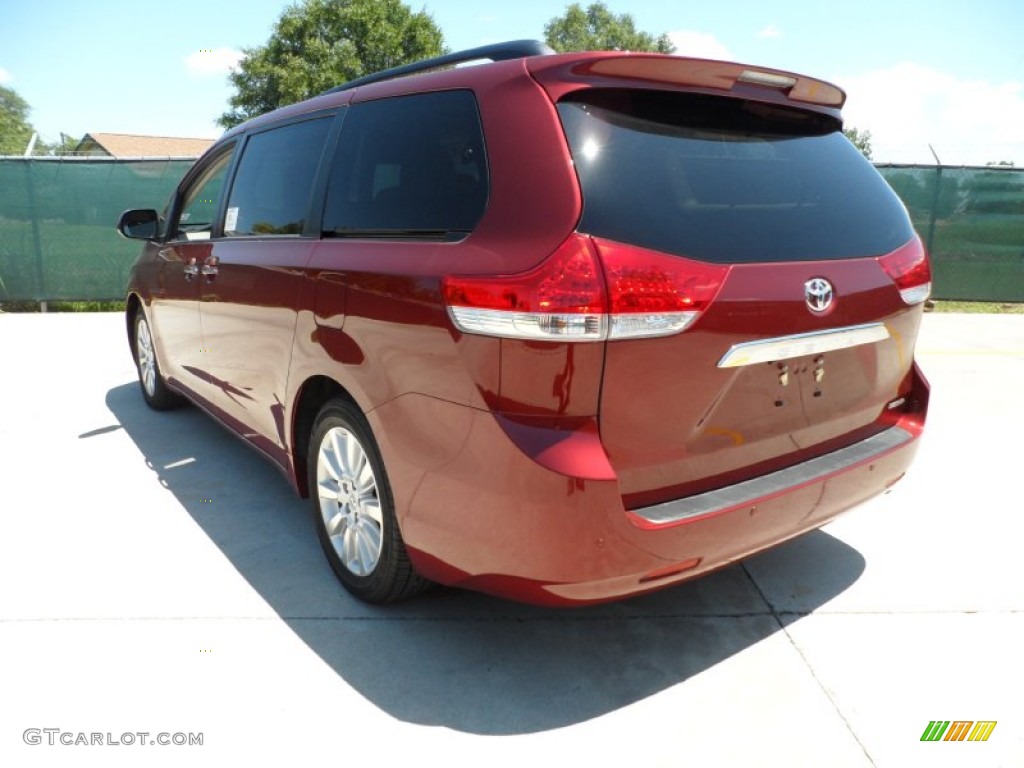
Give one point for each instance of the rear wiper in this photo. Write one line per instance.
(397, 234)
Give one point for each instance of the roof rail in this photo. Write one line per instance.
(515, 49)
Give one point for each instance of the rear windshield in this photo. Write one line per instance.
(725, 180)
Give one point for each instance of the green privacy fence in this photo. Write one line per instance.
(57, 238)
(57, 216)
(973, 222)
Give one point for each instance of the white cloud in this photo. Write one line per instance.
(771, 32)
(213, 61)
(909, 106)
(5, 76)
(701, 45)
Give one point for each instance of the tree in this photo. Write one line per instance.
(65, 146)
(860, 139)
(598, 29)
(318, 44)
(15, 129)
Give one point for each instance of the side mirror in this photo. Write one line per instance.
(139, 224)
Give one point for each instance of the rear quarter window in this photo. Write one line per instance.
(725, 180)
(409, 166)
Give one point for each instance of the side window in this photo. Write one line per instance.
(200, 200)
(410, 166)
(272, 187)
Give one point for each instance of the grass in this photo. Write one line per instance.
(116, 305)
(86, 306)
(978, 307)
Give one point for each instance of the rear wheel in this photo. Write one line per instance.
(154, 389)
(353, 509)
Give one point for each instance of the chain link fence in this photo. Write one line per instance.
(57, 215)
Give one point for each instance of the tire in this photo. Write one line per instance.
(353, 508)
(151, 381)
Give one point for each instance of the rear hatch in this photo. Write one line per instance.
(798, 267)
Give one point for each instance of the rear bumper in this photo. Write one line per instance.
(535, 514)
(766, 487)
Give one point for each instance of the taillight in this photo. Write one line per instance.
(910, 269)
(562, 299)
(587, 290)
(654, 294)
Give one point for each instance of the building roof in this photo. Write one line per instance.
(130, 145)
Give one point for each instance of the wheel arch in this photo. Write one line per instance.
(312, 395)
(133, 305)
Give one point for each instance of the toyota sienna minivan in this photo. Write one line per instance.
(559, 328)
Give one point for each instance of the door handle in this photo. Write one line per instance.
(210, 267)
(190, 270)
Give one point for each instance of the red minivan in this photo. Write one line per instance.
(560, 328)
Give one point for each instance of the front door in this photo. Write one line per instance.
(252, 280)
(175, 307)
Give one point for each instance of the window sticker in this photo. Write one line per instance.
(231, 220)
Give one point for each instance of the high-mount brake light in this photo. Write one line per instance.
(588, 290)
(910, 269)
(768, 79)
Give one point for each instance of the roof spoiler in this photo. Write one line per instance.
(566, 73)
(515, 49)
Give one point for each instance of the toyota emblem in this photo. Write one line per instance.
(819, 294)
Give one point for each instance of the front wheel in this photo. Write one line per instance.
(154, 390)
(353, 509)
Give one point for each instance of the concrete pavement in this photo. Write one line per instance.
(158, 576)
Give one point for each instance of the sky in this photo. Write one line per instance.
(916, 72)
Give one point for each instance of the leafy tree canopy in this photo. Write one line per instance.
(860, 139)
(65, 146)
(318, 44)
(598, 29)
(15, 129)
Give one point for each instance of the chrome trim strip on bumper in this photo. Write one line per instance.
(801, 344)
(775, 482)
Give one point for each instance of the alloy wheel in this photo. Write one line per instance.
(349, 501)
(146, 357)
